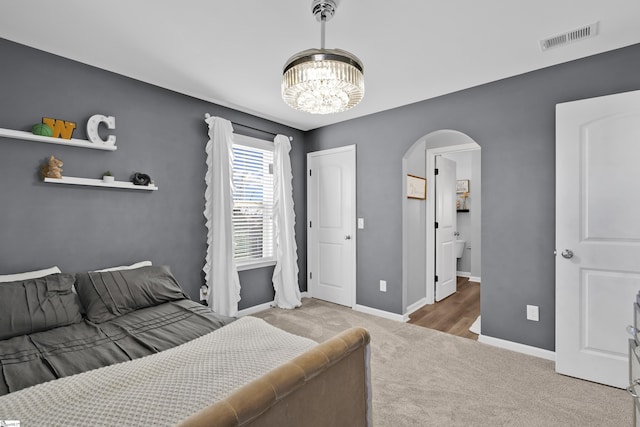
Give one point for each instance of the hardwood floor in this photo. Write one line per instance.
(453, 315)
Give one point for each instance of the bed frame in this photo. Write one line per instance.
(328, 385)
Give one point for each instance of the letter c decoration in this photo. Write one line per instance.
(92, 129)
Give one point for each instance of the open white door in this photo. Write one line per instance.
(331, 212)
(597, 235)
(446, 280)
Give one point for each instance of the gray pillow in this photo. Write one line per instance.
(35, 305)
(110, 294)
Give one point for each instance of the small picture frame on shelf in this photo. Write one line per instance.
(462, 186)
(416, 187)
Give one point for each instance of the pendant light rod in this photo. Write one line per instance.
(323, 10)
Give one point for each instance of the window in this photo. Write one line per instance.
(253, 202)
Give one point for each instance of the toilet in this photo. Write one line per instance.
(460, 248)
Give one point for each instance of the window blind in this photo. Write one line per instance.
(252, 203)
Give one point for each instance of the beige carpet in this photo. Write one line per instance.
(422, 377)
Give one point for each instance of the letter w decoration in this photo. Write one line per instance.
(61, 129)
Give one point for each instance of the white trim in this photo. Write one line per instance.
(249, 265)
(463, 273)
(341, 149)
(261, 307)
(475, 279)
(255, 309)
(379, 313)
(469, 146)
(415, 307)
(520, 348)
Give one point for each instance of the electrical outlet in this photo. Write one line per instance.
(383, 286)
(533, 313)
(204, 290)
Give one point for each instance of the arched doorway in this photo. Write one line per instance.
(418, 215)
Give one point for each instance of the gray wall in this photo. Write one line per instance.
(158, 132)
(162, 133)
(415, 241)
(513, 120)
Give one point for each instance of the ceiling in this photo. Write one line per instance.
(232, 52)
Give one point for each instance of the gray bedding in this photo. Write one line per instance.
(38, 357)
(164, 388)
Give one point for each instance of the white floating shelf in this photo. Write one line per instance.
(83, 143)
(99, 183)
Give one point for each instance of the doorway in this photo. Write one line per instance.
(419, 233)
(331, 217)
(597, 236)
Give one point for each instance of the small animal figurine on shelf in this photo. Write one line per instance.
(53, 169)
(140, 179)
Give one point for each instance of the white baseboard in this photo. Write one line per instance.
(261, 307)
(255, 309)
(379, 313)
(463, 273)
(475, 279)
(520, 348)
(415, 307)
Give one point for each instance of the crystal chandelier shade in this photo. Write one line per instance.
(323, 81)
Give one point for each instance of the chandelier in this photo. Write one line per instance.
(323, 81)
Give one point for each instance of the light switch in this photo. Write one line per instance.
(383, 286)
(361, 223)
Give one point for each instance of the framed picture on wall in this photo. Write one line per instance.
(462, 186)
(416, 187)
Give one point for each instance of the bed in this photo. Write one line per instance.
(128, 347)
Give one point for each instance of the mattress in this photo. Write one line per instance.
(27, 360)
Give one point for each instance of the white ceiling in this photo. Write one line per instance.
(232, 52)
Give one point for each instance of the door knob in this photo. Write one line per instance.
(567, 253)
(347, 237)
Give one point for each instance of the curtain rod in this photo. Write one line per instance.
(207, 115)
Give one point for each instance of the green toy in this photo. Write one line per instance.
(41, 129)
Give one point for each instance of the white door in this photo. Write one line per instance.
(331, 239)
(597, 235)
(446, 283)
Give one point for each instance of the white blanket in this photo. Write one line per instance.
(161, 389)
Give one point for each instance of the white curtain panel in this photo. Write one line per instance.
(221, 274)
(285, 274)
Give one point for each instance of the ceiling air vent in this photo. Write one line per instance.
(570, 37)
